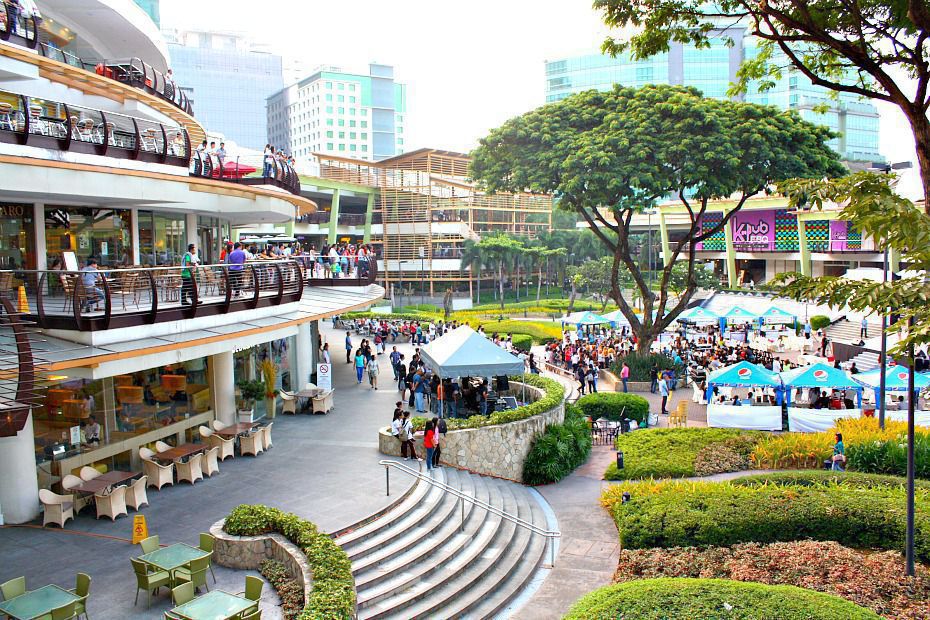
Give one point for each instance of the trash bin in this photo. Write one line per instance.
(619, 459)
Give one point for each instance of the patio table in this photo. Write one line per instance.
(214, 605)
(37, 602)
(182, 451)
(105, 481)
(234, 430)
(173, 557)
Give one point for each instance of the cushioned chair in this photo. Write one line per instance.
(149, 581)
(217, 425)
(252, 443)
(266, 436)
(68, 483)
(195, 573)
(156, 474)
(112, 504)
(211, 463)
(146, 453)
(206, 545)
(161, 446)
(149, 544)
(136, 497)
(288, 402)
(183, 593)
(82, 589)
(191, 471)
(58, 508)
(17, 587)
(205, 432)
(226, 446)
(88, 473)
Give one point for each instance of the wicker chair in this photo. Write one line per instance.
(217, 425)
(289, 402)
(266, 436)
(68, 483)
(161, 446)
(253, 443)
(136, 496)
(112, 504)
(88, 473)
(158, 475)
(226, 446)
(191, 471)
(211, 463)
(58, 508)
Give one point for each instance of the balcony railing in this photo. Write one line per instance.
(96, 300)
(354, 272)
(23, 30)
(54, 125)
(208, 165)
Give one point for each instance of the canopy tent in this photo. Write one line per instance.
(775, 315)
(616, 317)
(698, 316)
(585, 318)
(826, 378)
(737, 314)
(463, 352)
(896, 381)
(752, 417)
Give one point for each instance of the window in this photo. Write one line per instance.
(342, 122)
(329, 122)
(342, 135)
(352, 87)
(329, 85)
(352, 111)
(351, 147)
(364, 136)
(351, 123)
(342, 147)
(329, 134)
(341, 86)
(364, 148)
(329, 109)
(351, 99)
(329, 146)
(352, 135)
(400, 141)
(342, 110)
(364, 124)
(340, 98)
(329, 97)
(364, 111)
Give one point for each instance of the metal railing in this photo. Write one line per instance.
(208, 165)
(361, 271)
(465, 497)
(32, 121)
(17, 27)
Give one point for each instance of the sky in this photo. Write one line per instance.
(468, 66)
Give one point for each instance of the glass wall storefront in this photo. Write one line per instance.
(162, 238)
(247, 365)
(104, 234)
(211, 232)
(17, 236)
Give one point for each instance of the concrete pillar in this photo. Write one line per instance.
(223, 386)
(663, 233)
(333, 218)
(19, 484)
(315, 338)
(732, 276)
(369, 212)
(109, 406)
(190, 229)
(38, 220)
(306, 354)
(134, 231)
(803, 248)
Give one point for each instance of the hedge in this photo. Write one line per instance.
(541, 332)
(556, 452)
(333, 594)
(672, 452)
(641, 365)
(826, 477)
(819, 321)
(611, 404)
(712, 599)
(553, 397)
(522, 342)
(681, 514)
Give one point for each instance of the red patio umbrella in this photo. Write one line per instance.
(232, 169)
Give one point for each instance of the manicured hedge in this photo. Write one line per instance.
(554, 395)
(712, 599)
(819, 321)
(559, 450)
(523, 342)
(611, 404)
(333, 594)
(672, 452)
(680, 514)
(641, 365)
(541, 332)
(824, 477)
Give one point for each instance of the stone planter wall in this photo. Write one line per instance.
(497, 450)
(248, 552)
(609, 382)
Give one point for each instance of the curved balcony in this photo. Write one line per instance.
(17, 27)
(97, 300)
(281, 175)
(53, 125)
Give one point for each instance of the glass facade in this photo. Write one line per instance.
(103, 234)
(247, 366)
(162, 238)
(17, 237)
(712, 70)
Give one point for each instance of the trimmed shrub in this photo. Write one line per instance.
(611, 405)
(523, 342)
(712, 599)
(641, 365)
(540, 332)
(724, 456)
(559, 450)
(819, 321)
(333, 594)
(807, 478)
(673, 452)
(680, 514)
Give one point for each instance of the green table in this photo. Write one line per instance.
(214, 605)
(173, 557)
(37, 602)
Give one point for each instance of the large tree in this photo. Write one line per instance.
(607, 155)
(874, 48)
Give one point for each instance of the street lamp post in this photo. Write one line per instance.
(422, 277)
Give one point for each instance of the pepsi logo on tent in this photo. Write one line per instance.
(744, 373)
(902, 376)
(820, 375)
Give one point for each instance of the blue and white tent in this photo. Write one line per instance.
(585, 318)
(775, 315)
(739, 315)
(895, 379)
(743, 374)
(819, 376)
(698, 315)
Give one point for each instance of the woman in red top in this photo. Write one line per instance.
(429, 442)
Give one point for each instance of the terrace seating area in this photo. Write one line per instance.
(208, 165)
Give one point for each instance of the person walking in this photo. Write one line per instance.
(864, 329)
(441, 430)
(325, 358)
(591, 376)
(625, 375)
(395, 358)
(580, 375)
(373, 372)
(420, 389)
(360, 364)
(838, 460)
(663, 391)
(823, 345)
(348, 347)
(654, 386)
(429, 442)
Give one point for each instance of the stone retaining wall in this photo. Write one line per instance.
(497, 450)
(609, 382)
(248, 552)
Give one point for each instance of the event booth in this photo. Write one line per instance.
(802, 416)
(585, 318)
(774, 322)
(735, 322)
(463, 352)
(756, 414)
(698, 316)
(896, 382)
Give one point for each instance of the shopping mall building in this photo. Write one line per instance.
(98, 163)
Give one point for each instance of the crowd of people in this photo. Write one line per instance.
(272, 156)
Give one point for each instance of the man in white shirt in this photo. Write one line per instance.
(776, 365)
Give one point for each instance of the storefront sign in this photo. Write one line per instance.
(7, 210)
(838, 235)
(324, 376)
(754, 230)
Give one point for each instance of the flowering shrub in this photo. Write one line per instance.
(289, 591)
(872, 580)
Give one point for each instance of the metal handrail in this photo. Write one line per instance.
(465, 497)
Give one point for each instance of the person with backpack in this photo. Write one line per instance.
(397, 424)
(395, 358)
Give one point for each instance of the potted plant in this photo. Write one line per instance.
(269, 373)
(250, 392)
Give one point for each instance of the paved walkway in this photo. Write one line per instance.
(323, 468)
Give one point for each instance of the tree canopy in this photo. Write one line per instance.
(874, 48)
(607, 155)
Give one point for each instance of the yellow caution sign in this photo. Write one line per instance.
(23, 301)
(140, 531)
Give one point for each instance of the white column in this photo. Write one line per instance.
(306, 355)
(134, 232)
(19, 484)
(223, 387)
(38, 220)
(190, 225)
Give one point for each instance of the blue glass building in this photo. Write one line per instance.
(712, 70)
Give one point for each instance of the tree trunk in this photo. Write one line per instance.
(571, 299)
(447, 304)
(478, 289)
(539, 285)
(921, 128)
(500, 282)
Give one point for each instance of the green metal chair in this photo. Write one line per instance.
(255, 615)
(195, 573)
(13, 588)
(65, 612)
(82, 589)
(206, 544)
(253, 590)
(149, 581)
(183, 593)
(149, 544)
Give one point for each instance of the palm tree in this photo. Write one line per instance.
(501, 249)
(473, 257)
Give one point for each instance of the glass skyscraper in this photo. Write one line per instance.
(712, 70)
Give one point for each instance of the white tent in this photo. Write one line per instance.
(463, 352)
